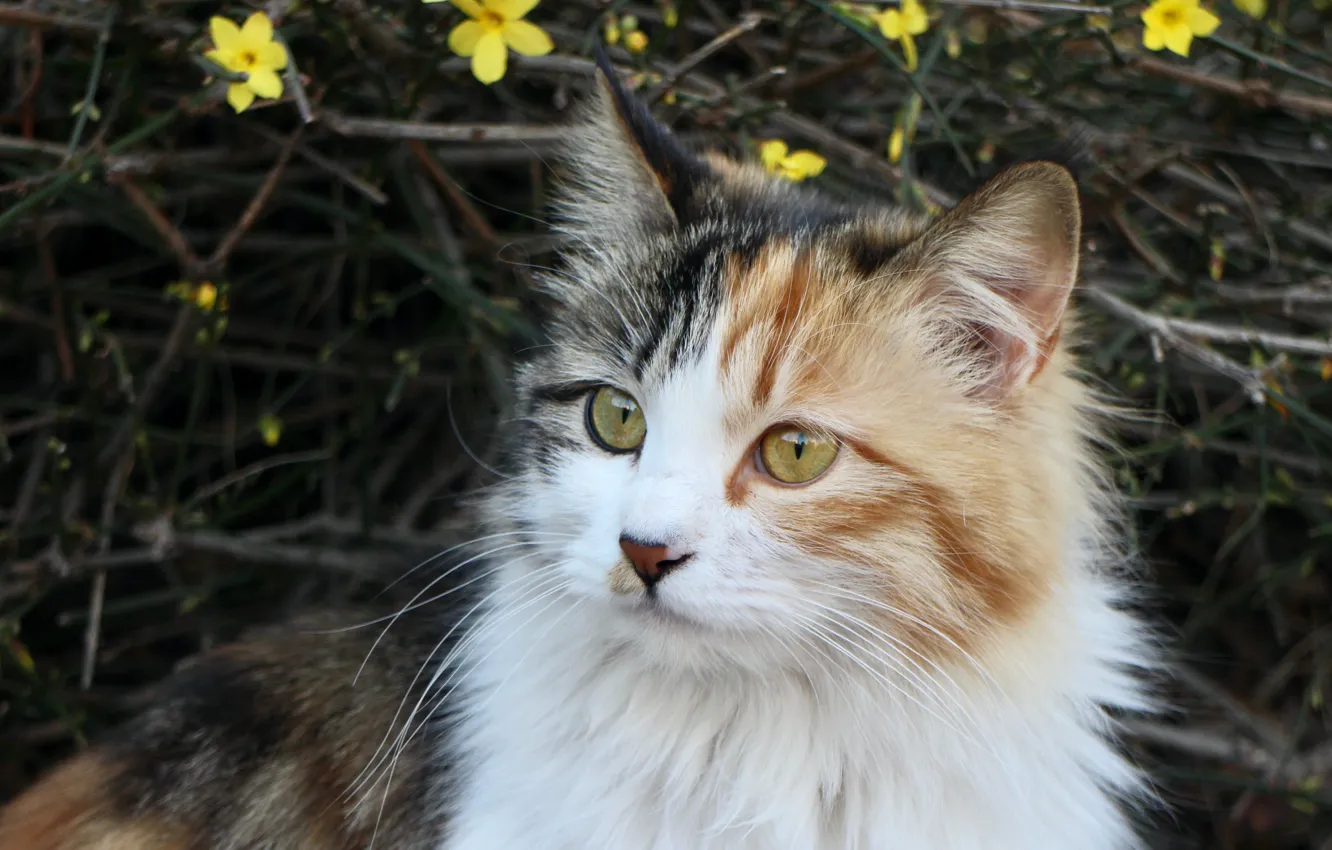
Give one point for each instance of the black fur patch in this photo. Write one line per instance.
(211, 728)
(686, 292)
(868, 254)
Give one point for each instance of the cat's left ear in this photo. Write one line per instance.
(630, 174)
(1002, 265)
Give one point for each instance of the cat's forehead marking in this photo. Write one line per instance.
(678, 305)
(787, 315)
(765, 298)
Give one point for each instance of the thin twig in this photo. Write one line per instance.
(1225, 745)
(94, 77)
(1256, 92)
(219, 258)
(185, 256)
(1032, 6)
(32, 479)
(475, 221)
(384, 128)
(152, 384)
(1167, 334)
(337, 169)
(250, 471)
(296, 85)
(748, 22)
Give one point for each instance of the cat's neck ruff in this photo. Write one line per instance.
(580, 738)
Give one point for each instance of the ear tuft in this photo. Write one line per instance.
(630, 173)
(1004, 262)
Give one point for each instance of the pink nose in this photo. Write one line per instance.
(651, 560)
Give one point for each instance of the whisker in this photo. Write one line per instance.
(898, 644)
(472, 542)
(533, 578)
(450, 663)
(411, 604)
(922, 680)
(893, 686)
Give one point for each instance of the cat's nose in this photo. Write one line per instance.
(651, 560)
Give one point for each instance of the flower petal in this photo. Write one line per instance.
(1178, 39)
(265, 83)
(491, 57)
(239, 96)
(527, 38)
(226, 35)
(895, 144)
(808, 163)
(470, 8)
(221, 57)
(890, 24)
(772, 152)
(463, 38)
(1154, 15)
(914, 17)
(1203, 22)
(257, 31)
(511, 10)
(1152, 39)
(272, 55)
(1252, 8)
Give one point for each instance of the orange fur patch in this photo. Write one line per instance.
(949, 505)
(73, 809)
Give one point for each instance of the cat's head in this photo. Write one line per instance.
(765, 420)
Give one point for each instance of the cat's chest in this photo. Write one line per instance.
(655, 771)
(561, 750)
(623, 761)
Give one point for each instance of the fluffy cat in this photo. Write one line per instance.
(803, 544)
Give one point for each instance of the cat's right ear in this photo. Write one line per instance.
(629, 175)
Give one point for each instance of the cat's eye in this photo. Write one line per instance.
(615, 420)
(793, 455)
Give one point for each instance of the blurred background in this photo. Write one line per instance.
(250, 360)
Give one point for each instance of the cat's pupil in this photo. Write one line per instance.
(799, 446)
(624, 414)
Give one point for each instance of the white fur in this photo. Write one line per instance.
(591, 723)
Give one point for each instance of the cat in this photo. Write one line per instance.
(804, 542)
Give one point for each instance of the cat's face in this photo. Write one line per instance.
(767, 426)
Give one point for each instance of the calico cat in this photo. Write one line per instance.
(803, 544)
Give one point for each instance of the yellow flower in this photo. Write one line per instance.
(494, 28)
(901, 24)
(895, 142)
(248, 50)
(795, 166)
(205, 296)
(636, 41)
(952, 43)
(270, 429)
(1252, 8)
(1172, 24)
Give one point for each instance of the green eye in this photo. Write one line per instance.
(615, 420)
(793, 455)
